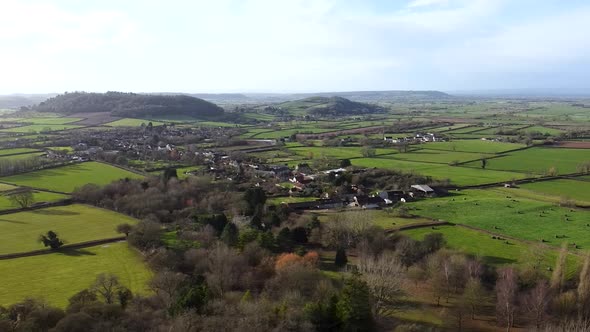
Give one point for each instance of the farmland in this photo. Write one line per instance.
(539, 160)
(68, 178)
(7, 152)
(562, 188)
(69, 272)
(74, 223)
(519, 217)
(39, 128)
(475, 146)
(129, 122)
(38, 196)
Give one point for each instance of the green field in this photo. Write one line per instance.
(437, 156)
(543, 130)
(68, 178)
(539, 160)
(336, 152)
(129, 122)
(5, 152)
(473, 145)
(38, 196)
(74, 223)
(56, 277)
(573, 189)
(49, 121)
(462, 176)
(491, 251)
(39, 128)
(527, 219)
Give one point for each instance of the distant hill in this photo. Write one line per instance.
(16, 101)
(324, 106)
(129, 104)
(360, 96)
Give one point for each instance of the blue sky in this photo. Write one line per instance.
(292, 46)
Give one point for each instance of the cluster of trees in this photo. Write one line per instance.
(11, 166)
(129, 104)
(167, 199)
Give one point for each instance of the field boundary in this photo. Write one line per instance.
(64, 249)
(64, 202)
(125, 168)
(419, 225)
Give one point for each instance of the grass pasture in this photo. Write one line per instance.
(562, 188)
(38, 196)
(49, 121)
(474, 145)
(492, 251)
(437, 156)
(462, 176)
(74, 224)
(539, 160)
(7, 152)
(56, 277)
(130, 122)
(68, 178)
(38, 128)
(499, 212)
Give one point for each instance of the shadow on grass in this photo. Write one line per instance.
(13, 221)
(494, 260)
(55, 212)
(76, 252)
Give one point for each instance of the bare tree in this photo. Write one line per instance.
(106, 286)
(506, 288)
(584, 289)
(558, 275)
(225, 267)
(383, 275)
(165, 284)
(536, 302)
(473, 295)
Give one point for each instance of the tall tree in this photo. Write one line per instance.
(383, 275)
(558, 275)
(230, 234)
(506, 291)
(584, 289)
(354, 305)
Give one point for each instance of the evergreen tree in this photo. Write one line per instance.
(230, 234)
(340, 260)
(354, 305)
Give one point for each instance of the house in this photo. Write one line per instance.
(393, 196)
(366, 202)
(421, 190)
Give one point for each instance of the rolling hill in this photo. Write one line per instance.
(326, 106)
(129, 105)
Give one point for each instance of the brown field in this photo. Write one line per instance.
(574, 145)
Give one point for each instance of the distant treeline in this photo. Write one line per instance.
(129, 104)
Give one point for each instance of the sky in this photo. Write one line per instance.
(292, 45)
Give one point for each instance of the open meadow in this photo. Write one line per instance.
(499, 212)
(56, 277)
(67, 178)
(19, 232)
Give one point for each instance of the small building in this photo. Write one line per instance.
(421, 190)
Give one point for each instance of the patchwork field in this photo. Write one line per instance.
(438, 156)
(462, 176)
(49, 121)
(539, 160)
(478, 146)
(493, 251)
(129, 122)
(6, 152)
(563, 188)
(37, 128)
(56, 277)
(38, 196)
(499, 212)
(19, 232)
(68, 178)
